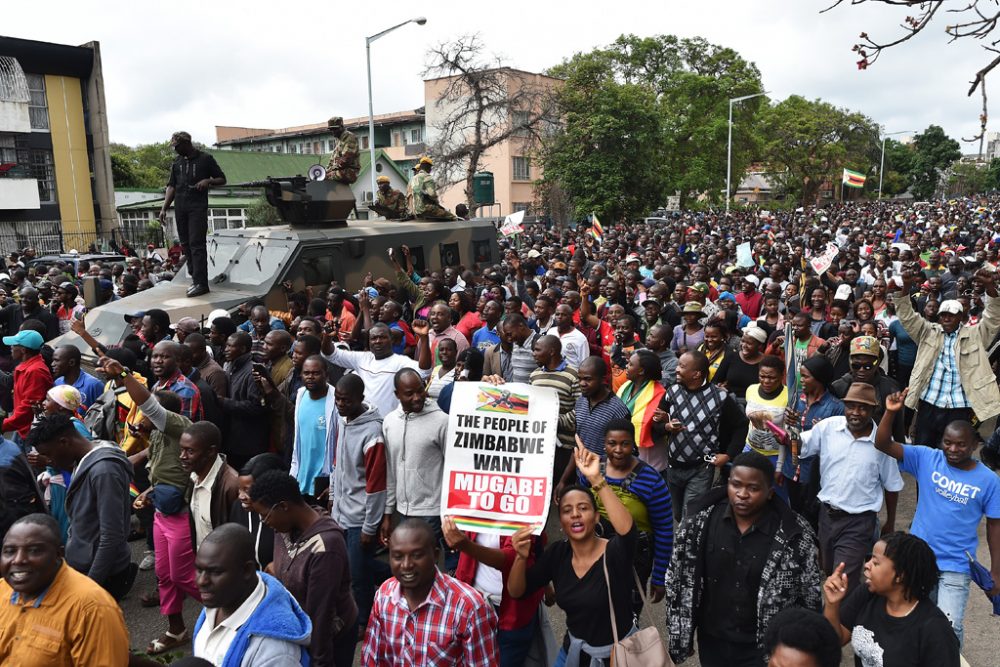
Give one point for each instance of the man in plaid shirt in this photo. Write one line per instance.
(169, 378)
(450, 623)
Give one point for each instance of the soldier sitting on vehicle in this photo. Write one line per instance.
(390, 203)
(344, 162)
(425, 199)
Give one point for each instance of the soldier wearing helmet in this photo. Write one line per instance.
(345, 161)
(390, 203)
(425, 203)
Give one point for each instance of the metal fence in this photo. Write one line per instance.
(48, 238)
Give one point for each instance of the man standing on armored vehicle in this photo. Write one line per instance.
(192, 174)
(425, 199)
(345, 163)
(390, 204)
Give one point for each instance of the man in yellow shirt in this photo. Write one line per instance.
(50, 614)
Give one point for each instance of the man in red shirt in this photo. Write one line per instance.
(32, 379)
(751, 301)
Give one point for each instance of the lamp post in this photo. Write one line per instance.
(881, 164)
(371, 115)
(729, 145)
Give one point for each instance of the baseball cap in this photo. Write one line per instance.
(215, 314)
(952, 306)
(843, 293)
(29, 339)
(66, 396)
(534, 254)
(187, 324)
(865, 345)
(137, 314)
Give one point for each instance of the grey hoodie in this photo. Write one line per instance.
(357, 482)
(414, 446)
(99, 510)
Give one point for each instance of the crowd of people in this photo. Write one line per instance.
(739, 395)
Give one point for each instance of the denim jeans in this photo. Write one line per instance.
(514, 645)
(367, 572)
(951, 594)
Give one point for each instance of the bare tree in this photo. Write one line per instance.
(484, 103)
(974, 19)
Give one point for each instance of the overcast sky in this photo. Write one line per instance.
(193, 65)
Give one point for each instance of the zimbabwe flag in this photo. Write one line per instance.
(854, 179)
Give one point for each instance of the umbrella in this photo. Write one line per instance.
(984, 580)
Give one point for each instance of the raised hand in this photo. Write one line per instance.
(110, 367)
(835, 587)
(521, 541)
(420, 327)
(455, 538)
(588, 463)
(77, 326)
(894, 402)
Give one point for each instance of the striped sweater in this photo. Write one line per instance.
(565, 380)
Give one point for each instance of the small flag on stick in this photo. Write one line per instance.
(854, 179)
(596, 230)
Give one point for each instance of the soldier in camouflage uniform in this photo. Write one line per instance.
(344, 163)
(425, 199)
(390, 204)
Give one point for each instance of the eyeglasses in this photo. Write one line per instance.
(268, 515)
(862, 366)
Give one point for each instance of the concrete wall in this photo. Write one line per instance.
(14, 117)
(18, 193)
(72, 166)
(104, 186)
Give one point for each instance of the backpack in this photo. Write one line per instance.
(101, 417)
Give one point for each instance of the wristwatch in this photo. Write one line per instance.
(125, 373)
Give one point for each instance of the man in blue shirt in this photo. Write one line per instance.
(954, 493)
(315, 412)
(487, 336)
(66, 368)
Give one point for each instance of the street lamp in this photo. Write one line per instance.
(371, 115)
(881, 164)
(729, 148)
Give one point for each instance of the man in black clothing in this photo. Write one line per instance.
(191, 176)
(13, 314)
(249, 424)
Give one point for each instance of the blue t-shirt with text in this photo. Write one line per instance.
(950, 504)
(312, 425)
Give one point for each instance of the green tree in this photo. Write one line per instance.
(993, 175)
(648, 117)
(898, 167)
(807, 142)
(144, 166)
(966, 179)
(262, 214)
(934, 152)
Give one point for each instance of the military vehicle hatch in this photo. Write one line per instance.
(254, 262)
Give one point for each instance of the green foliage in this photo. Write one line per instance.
(934, 151)
(807, 142)
(898, 167)
(646, 117)
(967, 178)
(145, 166)
(262, 214)
(993, 175)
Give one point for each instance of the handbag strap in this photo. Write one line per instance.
(611, 604)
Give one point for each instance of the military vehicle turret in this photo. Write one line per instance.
(317, 246)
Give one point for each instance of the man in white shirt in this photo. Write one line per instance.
(249, 618)
(379, 365)
(854, 475)
(575, 348)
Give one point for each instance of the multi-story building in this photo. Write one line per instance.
(56, 190)
(404, 136)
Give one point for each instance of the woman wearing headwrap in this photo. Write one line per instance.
(813, 405)
(744, 367)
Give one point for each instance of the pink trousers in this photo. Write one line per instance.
(174, 561)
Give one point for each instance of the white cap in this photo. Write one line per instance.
(751, 278)
(952, 306)
(218, 312)
(843, 293)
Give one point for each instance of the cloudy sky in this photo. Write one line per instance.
(194, 65)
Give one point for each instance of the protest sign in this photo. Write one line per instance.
(821, 262)
(499, 455)
(512, 224)
(744, 255)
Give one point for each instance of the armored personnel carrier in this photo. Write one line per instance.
(316, 246)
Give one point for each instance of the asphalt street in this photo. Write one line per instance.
(981, 628)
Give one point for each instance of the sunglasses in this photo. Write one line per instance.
(860, 366)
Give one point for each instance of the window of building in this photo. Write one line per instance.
(521, 206)
(520, 120)
(14, 158)
(363, 142)
(522, 169)
(399, 138)
(43, 169)
(38, 108)
(317, 147)
(416, 135)
(226, 218)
